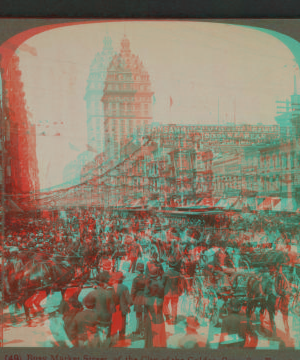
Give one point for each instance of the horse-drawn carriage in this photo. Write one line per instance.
(258, 258)
(213, 292)
(40, 273)
(216, 285)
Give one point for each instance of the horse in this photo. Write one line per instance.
(24, 282)
(12, 276)
(284, 291)
(261, 293)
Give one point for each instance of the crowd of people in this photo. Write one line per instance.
(107, 250)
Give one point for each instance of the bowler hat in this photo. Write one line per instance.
(107, 265)
(140, 267)
(89, 301)
(153, 271)
(103, 277)
(234, 306)
(174, 263)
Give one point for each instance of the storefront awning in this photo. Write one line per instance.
(221, 203)
(208, 202)
(269, 203)
(250, 203)
(238, 205)
(227, 203)
(286, 204)
(137, 203)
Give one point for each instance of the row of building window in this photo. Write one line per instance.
(128, 86)
(127, 77)
(280, 161)
(125, 106)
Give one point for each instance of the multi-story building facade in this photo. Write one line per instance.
(127, 100)
(20, 166)
(181, 169)
(94, 93)
(183, 163)
(2, 163)
(204, 175)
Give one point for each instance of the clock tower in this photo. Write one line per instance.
(94, 93)
(127, 100)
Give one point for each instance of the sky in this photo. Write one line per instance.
(194, 63)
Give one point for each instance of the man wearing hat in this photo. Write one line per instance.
(123, 301)
(174, 286)
(134, 254)
(154, 261)
(84, 326)
(283, 289)
(69, 307)
(155, 331)
(269, 292)
(104, 307)
(138, 298)
(118, 254)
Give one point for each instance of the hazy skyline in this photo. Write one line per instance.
(195, 63)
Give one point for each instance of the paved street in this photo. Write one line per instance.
(44, 330)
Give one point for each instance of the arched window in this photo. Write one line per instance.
(280, 161)
(284, 160)
(292, 160)
(274, 160)
(262, 162)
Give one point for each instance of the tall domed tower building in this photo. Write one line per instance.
(94, 93)
(127, 99)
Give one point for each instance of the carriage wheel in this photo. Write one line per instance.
(244, 264)
(198, 298)
(206, 301)
(212, 310)
(215, 313)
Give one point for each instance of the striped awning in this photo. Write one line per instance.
(286, 204)
(269, 203)
(208, 202)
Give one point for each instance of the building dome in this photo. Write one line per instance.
(107, 42)
(94, 93)
(125, 44)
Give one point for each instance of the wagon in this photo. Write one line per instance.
(292, 273)
(212, 294)
(264, 257)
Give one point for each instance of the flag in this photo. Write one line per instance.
(73, 147)
(171, 101)
(90, 148)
